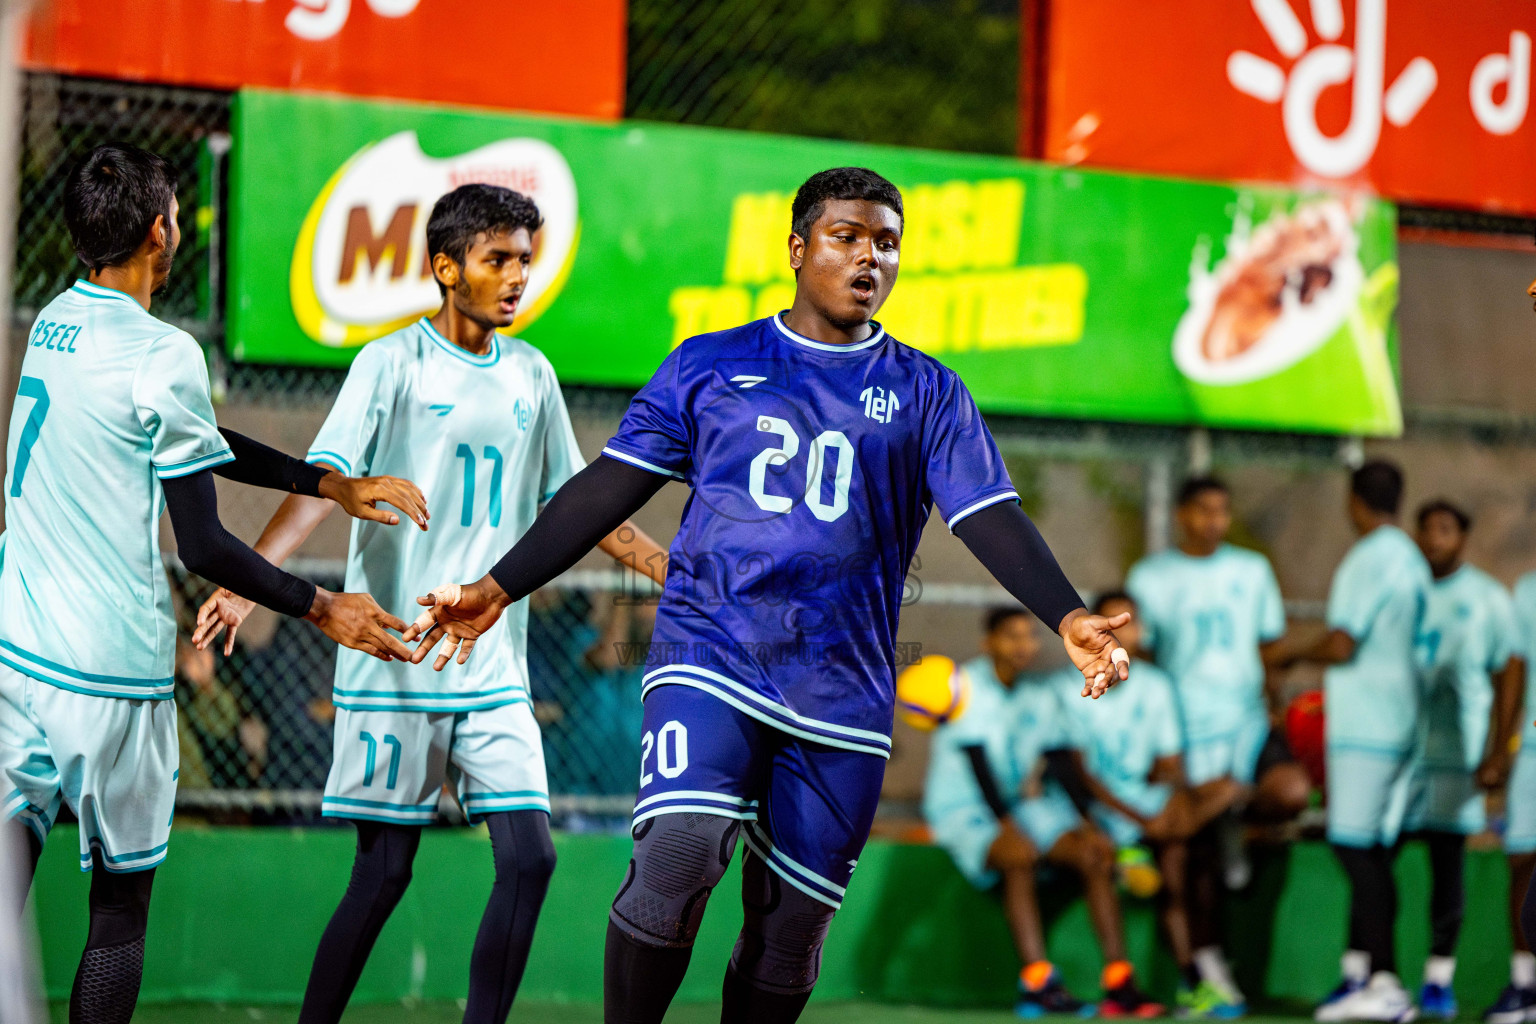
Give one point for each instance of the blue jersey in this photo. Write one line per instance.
(111, 401)
(1205, 619)
(488, 440)
(813, 469)
(1378, 597)
(1468, 634)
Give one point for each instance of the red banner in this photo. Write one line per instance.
(562, 57)
(1424, 101)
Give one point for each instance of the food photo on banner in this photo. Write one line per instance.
(1252, 307)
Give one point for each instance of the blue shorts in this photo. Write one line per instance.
(807, 807)
(1148, 800)
(1446, 798)
(1520, 831)
(1368, 794)
(1234, 753)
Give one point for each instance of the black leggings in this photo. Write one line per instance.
(1372, 902)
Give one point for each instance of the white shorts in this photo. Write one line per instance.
(1520, 829)
(390, 765)
(1368, 792)
(1234, 753)
(113, 760)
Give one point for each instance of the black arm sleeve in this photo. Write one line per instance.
(217, 555)
(1004, 540)
(260, 466)
(588, 508)
(986, 780)
(1062, 765)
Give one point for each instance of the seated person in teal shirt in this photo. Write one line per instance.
(994, 808)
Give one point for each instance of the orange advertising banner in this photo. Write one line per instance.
(1424, 101)
(565, 57)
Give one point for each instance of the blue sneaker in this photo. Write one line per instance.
(1329, 1009)
(1515, 1006)
(1437, 1001)
(1052, 999)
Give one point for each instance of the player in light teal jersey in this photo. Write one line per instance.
(1517, 1003)
(991, 804)
(1131, 745)
(1373, 695)
(1473, 681)
(1211, 610)
(112, 425)
(478, 419)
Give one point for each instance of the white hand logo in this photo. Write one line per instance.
(1331, 64)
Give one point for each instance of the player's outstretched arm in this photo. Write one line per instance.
(258, 465)
(633, 547)
(1004, 540)
(590, 506)
(211, 551)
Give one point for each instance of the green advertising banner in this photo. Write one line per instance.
(1052, 291)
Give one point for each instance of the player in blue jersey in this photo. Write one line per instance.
(479, 420)
(1517, 1003)
(1474, 682)
(1373, 700)
(1130, 758)
(112, 425)
(814, 445)
(994, 801)
(1211, 611)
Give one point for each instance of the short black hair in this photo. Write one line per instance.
(111, 200)
(1456, 512)
(1109, 597)
(840, 183)
(1198, 485)
(469, 211)
(1379, 484)
(1001, 614)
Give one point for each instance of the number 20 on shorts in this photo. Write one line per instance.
(670, 744)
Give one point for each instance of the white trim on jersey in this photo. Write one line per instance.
(800, 339)
(977, 506)
(614, 453)
(795, 874)
(754, 704)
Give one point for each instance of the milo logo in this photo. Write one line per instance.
(360, 266)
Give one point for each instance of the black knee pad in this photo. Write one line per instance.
(382, 870)
(521, 846)
(678, 861)
(779, 950)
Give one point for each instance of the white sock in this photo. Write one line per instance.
(1212, 965)
(1440, 970)
(1522, 969)
(1356, 965)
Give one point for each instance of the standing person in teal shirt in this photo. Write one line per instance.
(1473, 681)
(1373, 698)
(1210, 611)
(1517, 1003)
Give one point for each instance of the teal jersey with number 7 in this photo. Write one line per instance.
(111, 401)
(488, 440)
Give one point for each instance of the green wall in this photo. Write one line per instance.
(237, 913)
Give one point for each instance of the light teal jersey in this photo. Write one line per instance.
(1525, 624)
(111, 401)
(1126, 731)
(1204, 620)
(1015, 727)
(488, 440)
(1468, 633)
(1378, 596)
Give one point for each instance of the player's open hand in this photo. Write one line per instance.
(361, 496)
(224, 609)
(1091, 644)
(460, 612)
(357, 621)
